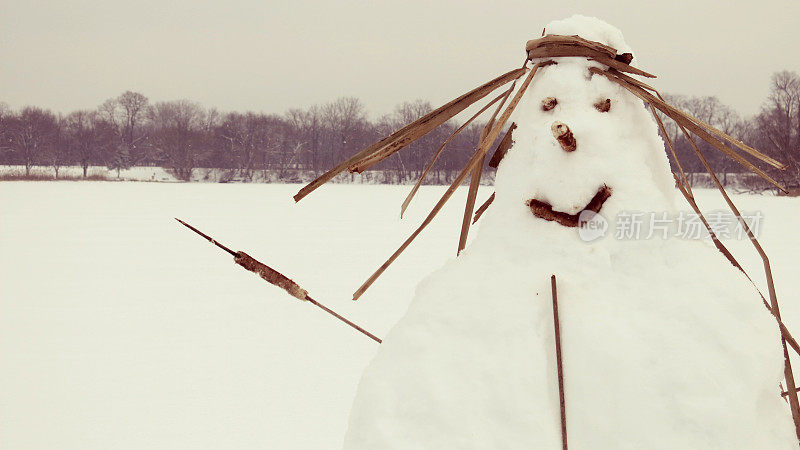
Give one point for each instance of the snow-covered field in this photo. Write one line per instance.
(119, 328)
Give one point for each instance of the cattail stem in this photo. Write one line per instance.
(343, 319)
(207, 237)
(276, 278)
(558, 364)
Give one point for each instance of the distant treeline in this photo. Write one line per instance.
(182, 135)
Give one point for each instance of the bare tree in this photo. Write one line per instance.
(89, 138)
(345, 117)
(109, 111)
(398, 162)
(420, 151)
(126, 114)
(5, 120)
(779, 123)
(133, 106)
(31, 134)
(416, 157)
(306, 133)
(57, 153)
(710, 110)
(116, 155)
(79, 131)
(724, 118)
(178, 135)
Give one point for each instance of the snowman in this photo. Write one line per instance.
(665, 345)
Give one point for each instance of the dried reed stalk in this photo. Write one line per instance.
(555, 46)
(696, 126)
(750, 150)
(622, 67)
(787, 335)
(717, 243)
(482, 148)
(474, 184)
(663, 129)
(685, 189)
(418, 128)
(425, 126)
(574, 40)
(475, 178)
(414, 190)
(788, 373)
(562, 51)
(499, 154)
(679, 116)
(773, 306)
(503, 147)
(729, 256)
(483, 208)
(784, 394)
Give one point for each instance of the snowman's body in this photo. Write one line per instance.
(665, 344)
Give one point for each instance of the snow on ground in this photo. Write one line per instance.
(121, 329)
(742, 181)
(217, 175)
(138, 173)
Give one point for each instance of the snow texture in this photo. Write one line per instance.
(121, 329)
(665, 344)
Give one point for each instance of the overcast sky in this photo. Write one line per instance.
(270, 56)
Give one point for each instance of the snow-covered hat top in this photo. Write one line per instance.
(585, 37)
(589, 28)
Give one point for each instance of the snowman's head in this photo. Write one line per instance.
(582, 142)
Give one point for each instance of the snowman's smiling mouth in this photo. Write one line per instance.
(544, 210)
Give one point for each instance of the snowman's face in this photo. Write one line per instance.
(581, 143)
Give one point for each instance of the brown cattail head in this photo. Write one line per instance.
(270, 275)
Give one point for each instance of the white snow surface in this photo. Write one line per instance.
(657, 353)
(121, 329)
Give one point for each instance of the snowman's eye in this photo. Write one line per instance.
(603, 105)
(549, 103)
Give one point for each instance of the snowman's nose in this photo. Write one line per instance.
(564, 136)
